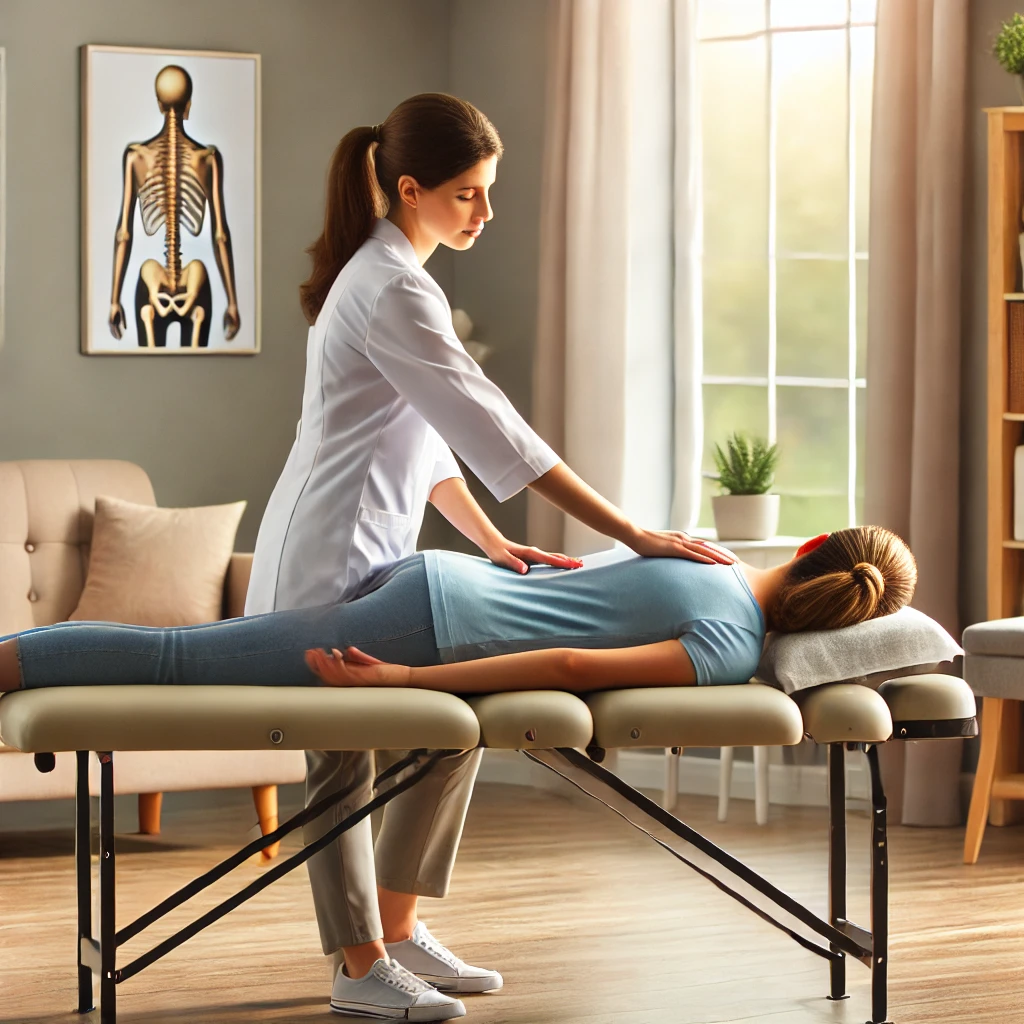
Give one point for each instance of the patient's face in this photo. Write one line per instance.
(455, 212)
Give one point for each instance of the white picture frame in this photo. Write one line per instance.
(168, 290)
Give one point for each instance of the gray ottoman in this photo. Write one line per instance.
(994, 669)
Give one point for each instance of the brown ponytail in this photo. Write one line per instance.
(855, 575)
(432, 137)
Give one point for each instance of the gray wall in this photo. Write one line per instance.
(497, 60)
(207, 429)
(987, 86)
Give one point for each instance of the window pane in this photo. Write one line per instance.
(863, 10)
(735, 159)
(797, 13)
(730, 17)
(813, 318)
(809, 516)
(861, 435)
(862, 318)
(862, 71)
(812, 437)
(736, 319)
(810, 73)
(728, 408)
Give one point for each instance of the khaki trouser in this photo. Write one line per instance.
(416, 845)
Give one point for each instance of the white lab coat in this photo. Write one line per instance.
(389, 392)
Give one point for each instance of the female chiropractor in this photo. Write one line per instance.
(389, 392)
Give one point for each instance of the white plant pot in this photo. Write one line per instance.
(746, 516)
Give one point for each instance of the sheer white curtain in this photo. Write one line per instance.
(617, 365)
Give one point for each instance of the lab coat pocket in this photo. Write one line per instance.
(388, 520)
(381, 538)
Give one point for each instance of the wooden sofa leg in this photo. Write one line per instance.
(149, 813)
(991, 730)
(265, 798)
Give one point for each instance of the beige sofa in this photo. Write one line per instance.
(46, 513)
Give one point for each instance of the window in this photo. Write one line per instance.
(786, 103)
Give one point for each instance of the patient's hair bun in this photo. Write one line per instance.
(870, 578)
(856, 574)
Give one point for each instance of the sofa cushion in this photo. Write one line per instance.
(158, 566)
(46, 514)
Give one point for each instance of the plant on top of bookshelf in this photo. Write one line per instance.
(1009, 49)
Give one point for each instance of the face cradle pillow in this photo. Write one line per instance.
(158, 566)
(904, 643)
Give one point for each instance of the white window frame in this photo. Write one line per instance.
(851, 383)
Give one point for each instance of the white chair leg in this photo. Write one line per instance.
(761, 785)
(671, 791)
(724, 781)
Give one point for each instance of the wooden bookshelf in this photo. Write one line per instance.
(1005, 429)
(1004, 555)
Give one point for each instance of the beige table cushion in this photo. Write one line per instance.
(845, 713)
(533, 719)
(744, 715)
(158, 566)
(928, 698)
(234, 718)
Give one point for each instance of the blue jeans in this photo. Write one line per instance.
(390, 619)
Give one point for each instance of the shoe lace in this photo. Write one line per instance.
(427, 941)
(397, 977)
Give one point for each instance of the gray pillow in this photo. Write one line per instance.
(903, 643)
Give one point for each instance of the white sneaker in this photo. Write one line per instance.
(425, 956)
(390, 992)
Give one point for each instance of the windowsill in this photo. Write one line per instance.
(708, 533)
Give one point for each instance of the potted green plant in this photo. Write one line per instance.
(746, 472)
(1009, 50)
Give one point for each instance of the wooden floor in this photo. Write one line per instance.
(589, 922)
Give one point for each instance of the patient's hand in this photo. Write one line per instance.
(676, 544)
(519, 557)
(354, 668)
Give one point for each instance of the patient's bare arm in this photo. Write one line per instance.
(578, 671)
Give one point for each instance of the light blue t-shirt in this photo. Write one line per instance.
(618, 599)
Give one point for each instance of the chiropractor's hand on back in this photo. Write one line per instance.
(676, 544)
(519, 557)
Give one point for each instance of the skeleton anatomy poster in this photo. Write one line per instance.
(170, 202)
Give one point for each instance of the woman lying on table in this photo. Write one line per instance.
(621, 620)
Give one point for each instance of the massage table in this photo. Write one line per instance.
(566, 733)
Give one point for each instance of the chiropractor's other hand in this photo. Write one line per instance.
(354, 668)
(519, 557)
(676, 544)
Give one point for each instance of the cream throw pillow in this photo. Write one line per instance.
(158, 566)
